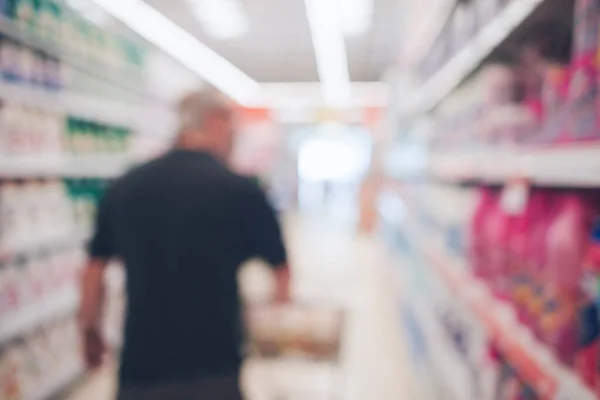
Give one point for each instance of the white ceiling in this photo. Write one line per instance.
(278, 46)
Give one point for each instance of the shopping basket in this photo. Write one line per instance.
(306, 334)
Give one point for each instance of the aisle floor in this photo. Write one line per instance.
(331, 264)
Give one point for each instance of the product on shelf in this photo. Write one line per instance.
(37, 280)
(33, 212)
(588, 355)
(28, 132)
(22, 65)
(38, 365)
(85, 196)
(583, 90)
(567, 238)
(85, 137)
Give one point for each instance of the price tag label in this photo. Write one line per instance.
(514, 197)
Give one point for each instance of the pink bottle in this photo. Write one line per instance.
(497, 232)
(521, 254)
(488, 199)
(583, 88)
(536, 254)
(566, 242)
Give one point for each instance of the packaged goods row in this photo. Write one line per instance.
(56, 21)
(41, 214)
(30, 132)
(544, 93)
(39, 364)
(32, 283)
(537, 251)
(23, 65)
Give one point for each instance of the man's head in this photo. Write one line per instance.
(206, 122)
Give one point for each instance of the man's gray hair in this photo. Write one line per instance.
(194, 107)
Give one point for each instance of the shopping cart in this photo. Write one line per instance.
(297, 339)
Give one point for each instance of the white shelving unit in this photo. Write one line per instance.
(34, 247)
(462, 64)
(109, 98)
(532, 358)
(576, 165)
(24, 320)
(97, 166)
(74, 104)
(33, 40)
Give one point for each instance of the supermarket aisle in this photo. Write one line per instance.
(331, 264)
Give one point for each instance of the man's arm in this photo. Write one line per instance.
(101, 249)
(266, 241)
(90, 312)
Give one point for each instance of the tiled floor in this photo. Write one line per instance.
(331, 264)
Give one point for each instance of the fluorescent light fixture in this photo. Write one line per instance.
(330, 50)
(184, 47)
(222, 19)
(357, 16)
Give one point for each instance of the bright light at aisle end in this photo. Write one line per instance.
(185, 48)
(330, 50)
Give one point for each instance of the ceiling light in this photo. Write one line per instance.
(222, 19)
(184, 47)
(330, 50)
(357, 16)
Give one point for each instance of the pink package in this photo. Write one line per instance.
(583, 88)
(535, 261)
(555, 102)
(566, 242)
(496, 233)
(521, 254)
(486, 203)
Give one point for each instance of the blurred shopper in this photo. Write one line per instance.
(182, 224)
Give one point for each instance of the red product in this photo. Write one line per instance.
(583, 89)
(521, 254)
(488, 199)
(566, 242)
(536, 260)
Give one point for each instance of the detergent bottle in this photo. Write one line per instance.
(566, 242)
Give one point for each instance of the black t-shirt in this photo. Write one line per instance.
(183, 224)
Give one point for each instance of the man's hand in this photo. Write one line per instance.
(282, 285)
(93, 348)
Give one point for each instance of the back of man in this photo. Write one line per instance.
(182, 225)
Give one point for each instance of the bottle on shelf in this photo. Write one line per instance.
(583, 89)
(567, 238)
(588, 353)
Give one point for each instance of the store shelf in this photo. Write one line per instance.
(60, 382)
(562, 166)
(94, 166)
(34, 247)
(532, 359)
(432, 92)
(95, 68)
(73, 104)
(30, 317)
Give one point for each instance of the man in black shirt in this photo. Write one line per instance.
(182, 225)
